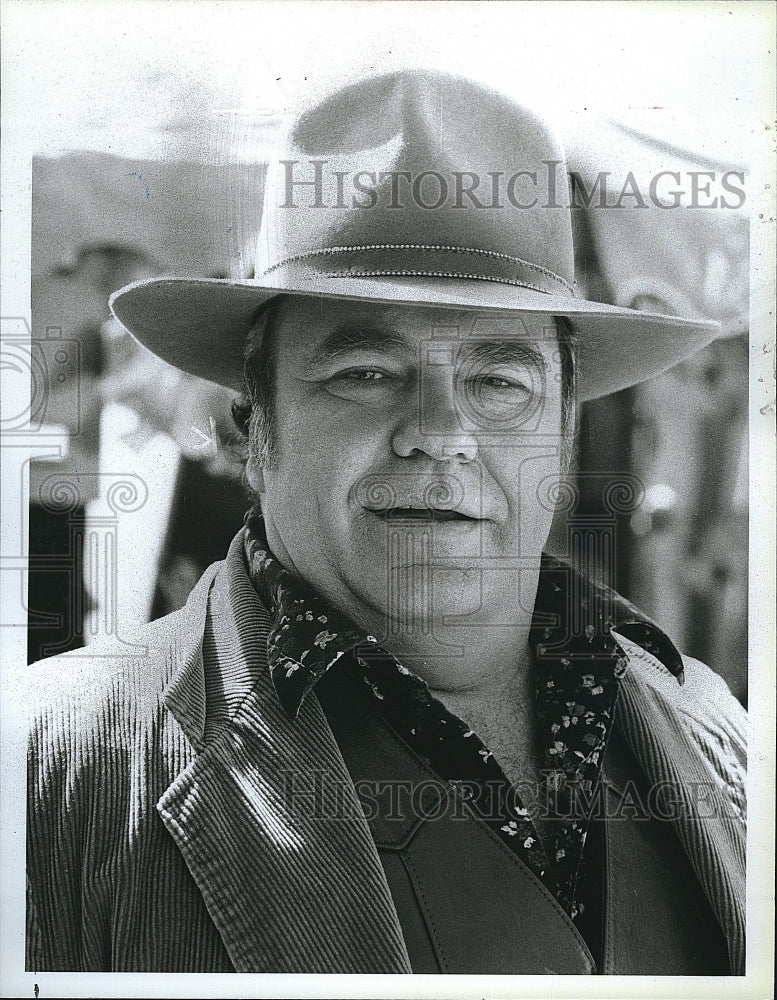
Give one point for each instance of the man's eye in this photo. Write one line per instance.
(497, 396)
(362, 383)
(363, 375)
(499, 383)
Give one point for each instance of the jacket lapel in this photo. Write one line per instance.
(258, 812)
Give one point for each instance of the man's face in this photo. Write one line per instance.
(415, 452)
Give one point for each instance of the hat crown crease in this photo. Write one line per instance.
(445, 163)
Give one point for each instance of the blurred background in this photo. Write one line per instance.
(140, 161)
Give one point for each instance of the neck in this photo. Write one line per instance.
(464, 660)
(483, 676)
(481, 669)
(462, 651)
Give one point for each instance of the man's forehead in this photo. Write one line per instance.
(310, 321)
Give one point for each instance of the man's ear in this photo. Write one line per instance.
(255, 475)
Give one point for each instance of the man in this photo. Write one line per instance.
(388, 734)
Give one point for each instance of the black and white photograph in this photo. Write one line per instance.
(388, 505)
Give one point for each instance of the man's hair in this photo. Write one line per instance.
(567, 345)
(254, 410)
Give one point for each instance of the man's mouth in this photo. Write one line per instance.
(425, 514)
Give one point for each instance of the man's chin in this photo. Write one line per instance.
(419, 595)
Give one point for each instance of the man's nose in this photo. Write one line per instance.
(433, 427)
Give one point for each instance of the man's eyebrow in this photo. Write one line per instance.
(346, 339)
(503, 352)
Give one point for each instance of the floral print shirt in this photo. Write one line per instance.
(576, 681)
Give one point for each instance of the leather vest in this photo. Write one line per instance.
(468, 904)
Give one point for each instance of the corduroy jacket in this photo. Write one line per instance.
(158, 833)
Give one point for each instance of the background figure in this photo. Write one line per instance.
(69, 305)
(133, 422)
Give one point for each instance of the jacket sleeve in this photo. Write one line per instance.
(719, 726)
(108, 890)
(693, 737)
(34, 958)
(67, 760)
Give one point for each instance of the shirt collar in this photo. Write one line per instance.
(308, 636)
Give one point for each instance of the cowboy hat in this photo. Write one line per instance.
(414, 188)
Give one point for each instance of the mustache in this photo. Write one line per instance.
(417, 491)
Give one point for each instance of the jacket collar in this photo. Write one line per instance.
(288, 888)
(184, 696)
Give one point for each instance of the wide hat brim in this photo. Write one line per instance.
(200, 325)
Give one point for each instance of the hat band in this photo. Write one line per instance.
(432, 261)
